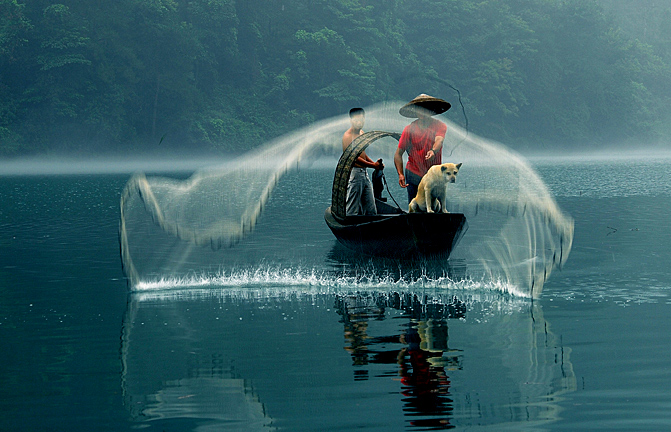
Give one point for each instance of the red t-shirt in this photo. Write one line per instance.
(418, 141)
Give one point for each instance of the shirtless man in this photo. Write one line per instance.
(360, 199)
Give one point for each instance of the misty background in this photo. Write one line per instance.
(219, 76)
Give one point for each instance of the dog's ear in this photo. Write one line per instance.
(459, 165)
(443, 168)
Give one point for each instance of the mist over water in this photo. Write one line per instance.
(240, 221)
(104, 165)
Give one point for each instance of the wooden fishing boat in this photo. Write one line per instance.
(392, 232)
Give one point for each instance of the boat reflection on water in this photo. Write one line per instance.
(263, 357)
(420, 350)
(345, 263)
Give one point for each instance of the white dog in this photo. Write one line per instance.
(433, 189)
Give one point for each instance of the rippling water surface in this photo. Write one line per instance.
(331, 344)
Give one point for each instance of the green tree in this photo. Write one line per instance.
(164, 75)
(14, 29)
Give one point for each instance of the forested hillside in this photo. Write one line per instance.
(119, 75)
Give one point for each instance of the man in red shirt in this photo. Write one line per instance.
(422, 140)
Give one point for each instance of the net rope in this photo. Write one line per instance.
(517, 232)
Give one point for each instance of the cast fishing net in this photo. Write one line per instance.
(205, 229)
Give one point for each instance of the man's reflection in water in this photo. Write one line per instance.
(422, 356)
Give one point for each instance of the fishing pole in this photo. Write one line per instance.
(463, 109)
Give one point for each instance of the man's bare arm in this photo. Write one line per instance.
(398, 163)
(364, 160)
(435, 148)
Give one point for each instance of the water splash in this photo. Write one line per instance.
(310, 281)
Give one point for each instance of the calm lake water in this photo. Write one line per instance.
(82, 352)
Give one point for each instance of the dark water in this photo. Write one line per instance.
(83, 353)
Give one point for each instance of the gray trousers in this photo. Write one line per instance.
(360, 199)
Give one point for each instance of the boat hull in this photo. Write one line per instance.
(400, 235)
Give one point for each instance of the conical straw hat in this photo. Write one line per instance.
(430, 103)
